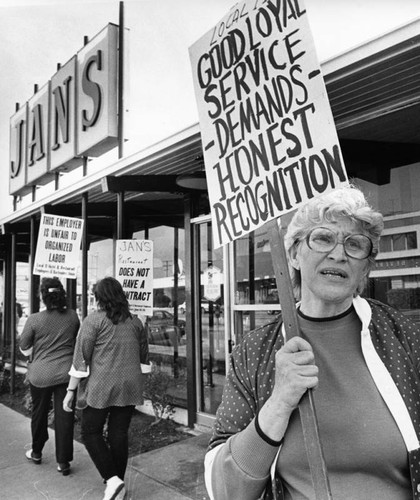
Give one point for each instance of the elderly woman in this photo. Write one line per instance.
(361, 356)
(110, 349)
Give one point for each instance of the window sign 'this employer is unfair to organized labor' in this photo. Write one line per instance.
(268, 133)
(58, 246)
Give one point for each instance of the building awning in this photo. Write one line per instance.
(374, 91)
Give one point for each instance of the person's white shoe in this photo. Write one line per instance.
(113, 486)
(36, 458)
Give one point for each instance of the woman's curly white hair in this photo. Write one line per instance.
(344, 202)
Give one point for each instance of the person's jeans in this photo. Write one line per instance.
(63, 421)
(110, 453)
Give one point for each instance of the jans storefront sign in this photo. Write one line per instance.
(74, 115)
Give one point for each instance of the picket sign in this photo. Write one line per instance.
(269, 142)
(307, 412)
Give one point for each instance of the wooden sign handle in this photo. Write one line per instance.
(307, 412)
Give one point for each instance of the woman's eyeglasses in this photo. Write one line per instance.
(323, 240)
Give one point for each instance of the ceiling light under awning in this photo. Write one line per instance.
(194, 180)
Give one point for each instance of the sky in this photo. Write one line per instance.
(37, 35)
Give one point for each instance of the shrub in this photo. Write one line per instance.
(156, 389)
(4, 379)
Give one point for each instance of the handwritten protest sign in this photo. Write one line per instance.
(269, 143)
(58, 247)
(268, 133)
(134, 270)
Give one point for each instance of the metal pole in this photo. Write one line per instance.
(33, 278)
(121, 82)
(7, 272)
(251, 278)
(13, 313)
(210, 360)
(193, 347)
(85, 255)
(120, 215)
(175, 302)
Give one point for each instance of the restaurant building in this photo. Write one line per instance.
(209, 298)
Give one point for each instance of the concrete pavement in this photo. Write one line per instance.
(174, 472)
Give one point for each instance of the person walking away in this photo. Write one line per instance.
(48, 339)
(109, 361)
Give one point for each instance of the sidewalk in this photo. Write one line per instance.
(174, 472)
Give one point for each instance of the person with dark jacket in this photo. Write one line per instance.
(48, 339)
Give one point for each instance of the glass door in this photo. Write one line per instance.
(209, 295)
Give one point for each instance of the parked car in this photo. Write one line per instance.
(164, 335)
(162, 317)
(205, 307)
(162, 328)
(217, 307)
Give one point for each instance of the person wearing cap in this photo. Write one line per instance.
(361, 356)
(48, 339)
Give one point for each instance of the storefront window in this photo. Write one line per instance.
(395, 279)
(256, 300)
(22, 294)
(99, 265)
(254, 275)
(210, 329)
(166, 326)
